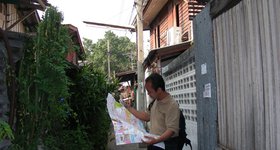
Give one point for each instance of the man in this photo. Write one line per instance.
(163, 114)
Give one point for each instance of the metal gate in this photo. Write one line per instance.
(180, 82)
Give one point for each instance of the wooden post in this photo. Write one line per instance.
(140, 71)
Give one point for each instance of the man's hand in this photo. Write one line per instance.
(125, 102)
(149, 140)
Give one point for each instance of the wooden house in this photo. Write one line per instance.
(74, 56)
(19, 20)
(170, 23)
(227, 83)
(21, 15)
(171, 29)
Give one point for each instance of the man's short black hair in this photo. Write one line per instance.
(156, 80)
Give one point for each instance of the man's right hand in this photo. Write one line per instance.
(125, 103)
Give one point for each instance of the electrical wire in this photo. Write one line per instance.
(131, 14)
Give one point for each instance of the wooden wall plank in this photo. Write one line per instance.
(275, 30)
(247, 47)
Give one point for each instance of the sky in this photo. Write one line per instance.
(117, 12)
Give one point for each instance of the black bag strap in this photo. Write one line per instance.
(188, 142)
(151, 104)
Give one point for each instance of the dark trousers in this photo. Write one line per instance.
(152, 147)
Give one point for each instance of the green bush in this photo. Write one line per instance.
(43, 83)
(5, 131)
(54, 111)
(89, 102)
(69, 139)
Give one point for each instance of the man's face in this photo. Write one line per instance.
(151, 92)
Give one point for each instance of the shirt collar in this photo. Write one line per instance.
(165, 100)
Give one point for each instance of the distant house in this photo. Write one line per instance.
(75, 55)
(20, 15)
(18, 18)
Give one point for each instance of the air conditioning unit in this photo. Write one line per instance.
(174, 36)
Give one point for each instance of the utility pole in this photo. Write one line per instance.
(140, 101)
(131, 59)
(140, 71)
(130, 28)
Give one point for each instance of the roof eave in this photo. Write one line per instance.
(166, 52)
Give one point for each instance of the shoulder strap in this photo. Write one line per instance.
(151, 104)
(182, 131)
(188, 142)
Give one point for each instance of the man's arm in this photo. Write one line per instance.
(138, 114)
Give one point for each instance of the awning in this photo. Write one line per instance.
(166, 52)
(151, 10)
(127, 76)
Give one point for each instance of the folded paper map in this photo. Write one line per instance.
(128, 129)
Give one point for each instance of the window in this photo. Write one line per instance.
(177, 15)
(158, 36)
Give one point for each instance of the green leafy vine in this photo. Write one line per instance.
(56, 111)
(43, 82)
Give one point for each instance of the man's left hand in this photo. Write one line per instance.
(149, 140)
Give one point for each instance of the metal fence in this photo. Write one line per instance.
(180, 81)
(247, 52)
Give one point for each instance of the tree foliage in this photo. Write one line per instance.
(89, 102)
(43, 82)
(5, 131)
(122, 53)
(55, 111)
